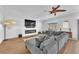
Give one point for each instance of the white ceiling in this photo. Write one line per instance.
(38, 12)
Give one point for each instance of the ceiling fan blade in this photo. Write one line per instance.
(57, 7)
(60, 10)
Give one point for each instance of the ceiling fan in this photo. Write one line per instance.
(56, 9)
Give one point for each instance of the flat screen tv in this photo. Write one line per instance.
(30, 23)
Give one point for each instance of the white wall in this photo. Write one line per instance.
(74, 29)
(39, 26)
(11, 32)
(1, 29)
(19, 27)
(44, 26)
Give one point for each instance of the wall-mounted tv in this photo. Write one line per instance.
(30, 23)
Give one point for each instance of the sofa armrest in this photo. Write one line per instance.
(33, 49)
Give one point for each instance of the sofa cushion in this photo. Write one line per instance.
(46, 43)
(40, 40)
(31, 41)
(33, 49)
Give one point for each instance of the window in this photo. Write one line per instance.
(65, 24)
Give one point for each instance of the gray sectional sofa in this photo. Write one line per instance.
(47, 42)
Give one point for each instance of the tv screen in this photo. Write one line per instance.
(30, 23)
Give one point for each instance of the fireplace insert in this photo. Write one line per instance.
(30, 31)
